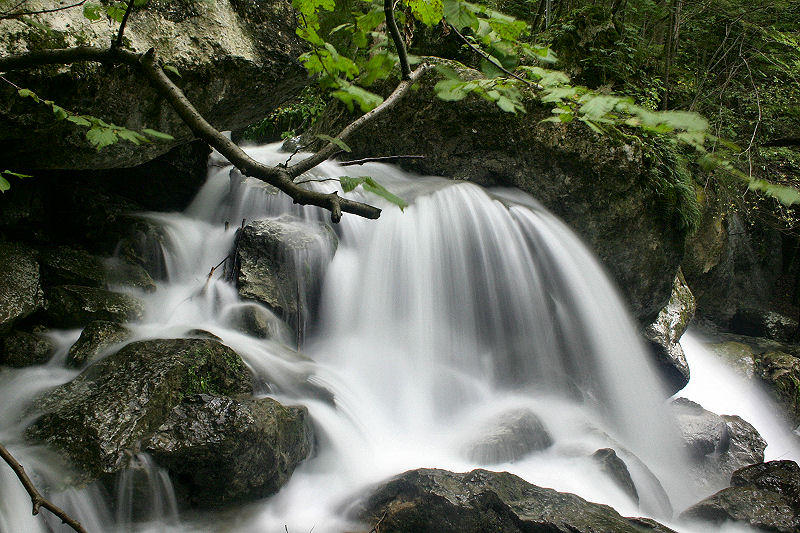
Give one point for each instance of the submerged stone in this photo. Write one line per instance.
(98, 418)
(220, 450)
(617, 470)
(511, 436)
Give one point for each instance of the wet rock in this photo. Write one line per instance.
(432, 500)
(21, 348)
(280, 262)
(763, 496)
(202, 334)
(664, 334)
(511, 436)
(617, 470)
(20, 290)
(69, 266)
(237, 62)
(254, 320)
(717, 445)
(219, 450)
(96, 338)
(70, 306)
(755, 322)
(780, 373)
(143, 245)
(98, 418)
(738, 355)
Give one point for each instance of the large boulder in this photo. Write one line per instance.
(716, 445)
(765, 496)
(20, 290)
(98, 418)
(220, 450)
(600, 189)
(70, 306)
(237, 61)
(664, 334)
(24, 348)
(432, 500)
(780, 373)
(280, 262)
(96, 338)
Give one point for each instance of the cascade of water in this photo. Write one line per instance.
(433, 323)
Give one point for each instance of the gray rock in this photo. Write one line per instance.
(98, 418)
(280, 262)
(20, 290)
(70, 306)
(737, 355)
(69, 266)
(664, 334)
(432, 500)
(596, 187)
(96, 338)
(617, 470)
(219, 450)
(780, 373)
(21, 348)
(764, 496)
(717, 445)
(254, 320)
(237, 62)
(759, 322)
(511, 436)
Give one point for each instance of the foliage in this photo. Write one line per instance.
(370, 185)
(289, 119)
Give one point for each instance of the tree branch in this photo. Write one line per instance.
(118, 41)
(391, 25)
(8, 15)
(146, 63)
(37, 500)
(330, 149)
(488, 58)
(382, 159)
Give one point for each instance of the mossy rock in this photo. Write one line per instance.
(22, 348)
(780, 372)
(98, 418)
(221, 450)
(96, 338)
(70, 306)
(20, 290)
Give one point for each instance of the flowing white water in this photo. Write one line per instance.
(432, 323)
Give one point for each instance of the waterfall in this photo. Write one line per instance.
(432, 323)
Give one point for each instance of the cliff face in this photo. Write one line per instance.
(236, 60)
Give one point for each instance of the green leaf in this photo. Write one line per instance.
(4, 184)
(132, 136)
(351, 94)
(116, 11)
(506, 105)
(370, 185)
(140, 3)
(158, 135)
(59, 112)
(92, 12)
(451, 90)
(371, 19)
(348, 183)
(16, 174)
(101, 137)
(429, 12)
(79, 120)
(458, 15)
(27, 93)
(338, 142)
(172, 69)
(785, 195)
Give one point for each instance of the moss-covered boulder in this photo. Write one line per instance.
(220, 450)
(664, 334)
(780, 373)
(603, 190)
(23, 348)
(20, 290)
(438, 501)
(98, 418)
(70, 306)
(765, 496)
(96, 338)
(237, 62)
(280, 262)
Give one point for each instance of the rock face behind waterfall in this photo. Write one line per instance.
(765, 496)
(597, 188)
(236, 62)
(438, 501)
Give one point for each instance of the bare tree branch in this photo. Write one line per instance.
(488, 58)
(391, 25)
(330, 149)
(382, 159)
(37, 499)
(18, 14)
(278, 177)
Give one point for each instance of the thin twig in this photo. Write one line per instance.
(488, 58)
(5, 16)
(381, 159)
(37, 499)
(375, 527)
(314, 180)
(118, 41)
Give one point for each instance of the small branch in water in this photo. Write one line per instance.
(37, 499)
(381, 159)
